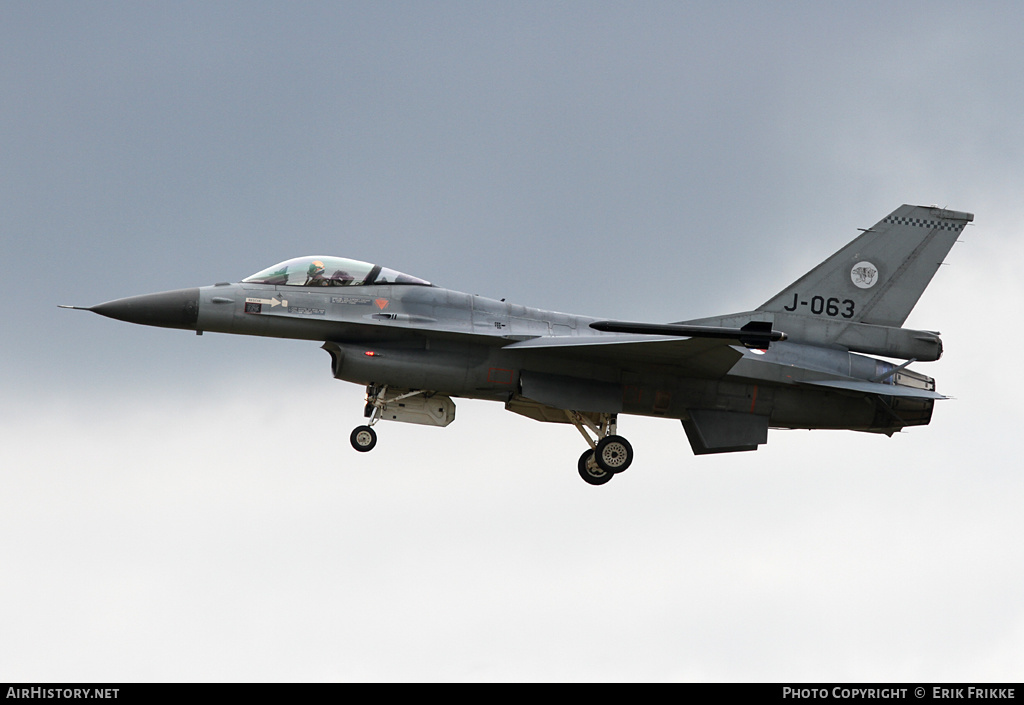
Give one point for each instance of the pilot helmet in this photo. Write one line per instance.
(316, 267)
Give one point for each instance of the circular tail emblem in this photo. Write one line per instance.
(864, 275)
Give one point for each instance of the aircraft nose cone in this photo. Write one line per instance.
(168, 309)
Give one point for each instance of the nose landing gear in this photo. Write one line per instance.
(418, 406)
(364, 438)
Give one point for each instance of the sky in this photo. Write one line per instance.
(183, 508)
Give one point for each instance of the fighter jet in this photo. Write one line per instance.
(807, 358)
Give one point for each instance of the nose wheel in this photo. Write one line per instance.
(363, 438)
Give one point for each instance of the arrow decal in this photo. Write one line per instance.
(270, 302)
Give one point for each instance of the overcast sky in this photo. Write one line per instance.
(180, 508)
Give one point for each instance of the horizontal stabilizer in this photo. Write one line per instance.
(885, 390)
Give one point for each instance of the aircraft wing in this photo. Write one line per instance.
(884, 390)
(701, 356)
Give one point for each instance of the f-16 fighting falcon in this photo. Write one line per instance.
(803, 359)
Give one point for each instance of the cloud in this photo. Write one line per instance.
(222, 537)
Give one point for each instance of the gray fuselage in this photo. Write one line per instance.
(456, 344)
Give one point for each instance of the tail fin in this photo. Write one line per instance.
(878, 278)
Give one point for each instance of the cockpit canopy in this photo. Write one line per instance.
(330, 271)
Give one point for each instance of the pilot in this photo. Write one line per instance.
(315, 274)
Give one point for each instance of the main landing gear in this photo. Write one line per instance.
(609, 454)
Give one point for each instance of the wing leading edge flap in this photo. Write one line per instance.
(884, 390)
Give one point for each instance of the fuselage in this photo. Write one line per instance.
(419, 336)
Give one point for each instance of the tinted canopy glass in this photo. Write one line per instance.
(330, 271)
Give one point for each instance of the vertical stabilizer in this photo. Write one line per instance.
(878, 278)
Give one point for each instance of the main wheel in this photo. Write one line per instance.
(613, 454)
(363, 438)
(589, 470)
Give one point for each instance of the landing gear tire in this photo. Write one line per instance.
(591, 473)
(613, 454)
(363, 438)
